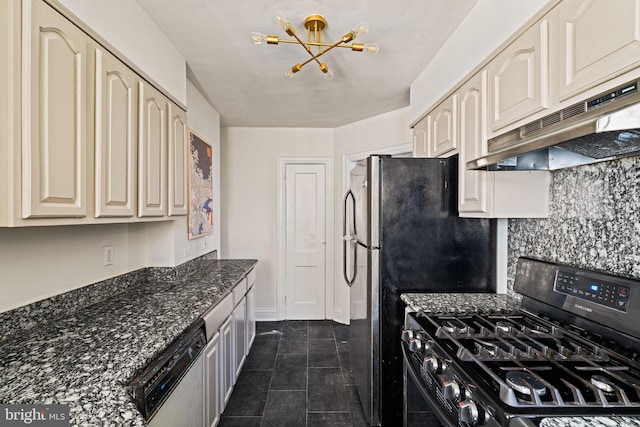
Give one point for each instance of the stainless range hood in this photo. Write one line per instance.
(604, 127)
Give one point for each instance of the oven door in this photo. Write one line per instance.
(419, 409)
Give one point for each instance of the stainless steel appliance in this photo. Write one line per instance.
(571, 349)
(603, 127)
(173, 380)
(403, 235)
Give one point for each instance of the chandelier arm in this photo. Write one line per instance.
(319, 54)
(308, 49)
(349, 46)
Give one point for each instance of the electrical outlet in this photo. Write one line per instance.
(187, 251)
(107, 255)
(206, 241)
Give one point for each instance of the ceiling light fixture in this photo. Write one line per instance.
(314, 25)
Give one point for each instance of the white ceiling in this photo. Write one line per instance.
(245, 82)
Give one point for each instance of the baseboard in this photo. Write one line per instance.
(266, 314)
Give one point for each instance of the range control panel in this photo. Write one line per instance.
(598, 291)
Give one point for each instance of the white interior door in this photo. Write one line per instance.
(305, 278)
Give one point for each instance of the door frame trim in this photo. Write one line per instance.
(283, 161)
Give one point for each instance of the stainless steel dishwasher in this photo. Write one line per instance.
(169, 391)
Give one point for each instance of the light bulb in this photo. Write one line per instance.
(361, 28)
(285, 24)
(282, 19)
(258, 38)
(371, 48)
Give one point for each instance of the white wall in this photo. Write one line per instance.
(128, 28)
(485, 28)
(375, 135)
(249, 196)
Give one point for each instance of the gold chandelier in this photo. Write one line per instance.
(314, 25)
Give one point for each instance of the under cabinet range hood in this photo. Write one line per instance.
(604, 127)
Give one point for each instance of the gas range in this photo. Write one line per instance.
(571, 349)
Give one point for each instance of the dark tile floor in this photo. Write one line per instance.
(296, 374)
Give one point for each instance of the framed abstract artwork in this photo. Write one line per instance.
(200, 186)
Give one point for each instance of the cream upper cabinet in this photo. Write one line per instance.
(472, 184)
(152, 146)
(485, 194)
(115, 132)
(442, 130)
(177, 162)
(596, 40)
(518, 78)
(420, 147)
(54, 94)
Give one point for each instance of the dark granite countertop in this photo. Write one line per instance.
(473, 302)
(87, 358)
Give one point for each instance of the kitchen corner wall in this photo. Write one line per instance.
(593, 221)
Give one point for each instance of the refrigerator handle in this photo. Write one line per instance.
(347, 238)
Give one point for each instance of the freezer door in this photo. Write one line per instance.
(364, 332)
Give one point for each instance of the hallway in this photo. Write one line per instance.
(297, 374)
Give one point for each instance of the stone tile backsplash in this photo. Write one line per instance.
(593, 221)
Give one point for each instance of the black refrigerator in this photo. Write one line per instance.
(402, 233)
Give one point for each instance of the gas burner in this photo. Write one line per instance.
(455, 326)
(503, 326)
(603, 384)
(524, 383)
(491, 347)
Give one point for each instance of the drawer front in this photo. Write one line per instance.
(239, 290)
(217, 315)
(251, 279)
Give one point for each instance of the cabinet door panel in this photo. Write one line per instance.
(178, 148)
(472, 184)
(597, 40)
(251, 318)
(55, 137)
(115, 137)
(518, 78)
(239, 318)
(152, 140)
(226, 344)
(420, 145)
(212, 381)
(442, 128)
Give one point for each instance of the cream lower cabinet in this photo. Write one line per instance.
(228, 373)
(55, 138)
(492, 194)
(518, 78)
(213, 380)
(594, 40)
(239, 317)
(250, 334)
(115, 136)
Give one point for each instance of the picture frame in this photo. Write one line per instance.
(200, 216)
